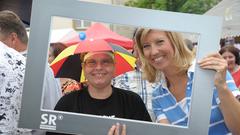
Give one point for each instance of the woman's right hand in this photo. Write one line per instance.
(115, 130)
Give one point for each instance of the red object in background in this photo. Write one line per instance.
(98, 31)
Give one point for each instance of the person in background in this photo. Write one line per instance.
(191, 46)
(231, 55)
(166, 58)
(14, 35)
(100, 97)
(54, 50)
(12, 67)
(67, 84)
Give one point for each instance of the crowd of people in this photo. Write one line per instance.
(158, 90)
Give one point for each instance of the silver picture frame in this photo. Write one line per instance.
(33, 117)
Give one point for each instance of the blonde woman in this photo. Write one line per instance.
(166, 58)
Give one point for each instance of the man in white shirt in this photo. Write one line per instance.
(12, 68)
(13, 35)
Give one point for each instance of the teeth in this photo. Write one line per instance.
(99, 74)
(158, 59)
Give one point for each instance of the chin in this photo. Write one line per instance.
(160, 66)
(99, 82)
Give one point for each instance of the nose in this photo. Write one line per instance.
(99, 65)
(227, 59)
(154, 49)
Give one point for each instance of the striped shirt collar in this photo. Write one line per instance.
(190, 73)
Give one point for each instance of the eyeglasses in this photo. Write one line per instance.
(93, 63)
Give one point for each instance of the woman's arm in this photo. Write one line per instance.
(229, 105)
(230, 108)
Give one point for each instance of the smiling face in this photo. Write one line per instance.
(158, 50)
(99, 70)
(230, 58)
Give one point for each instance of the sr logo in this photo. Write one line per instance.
(48, 119)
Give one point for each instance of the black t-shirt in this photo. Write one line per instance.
(121, 104)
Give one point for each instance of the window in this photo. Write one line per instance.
(81, 24)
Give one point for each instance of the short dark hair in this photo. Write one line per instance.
(57, 48)
(10, 22)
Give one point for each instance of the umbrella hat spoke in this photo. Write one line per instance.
(57, 66)
(64, 54)
(122, 64)
(120, 49)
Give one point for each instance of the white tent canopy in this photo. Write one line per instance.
(58, 34)
(230, 10)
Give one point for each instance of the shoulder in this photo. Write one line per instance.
(125, 77)
(49, 70)
(123, 91)
(74, 94)
(238, 70)
(70, 101)
(128, 80)
(8, 52)
(230, 82)
(130, 95)
(11, 60)
(70, 97)
(51, 82)
(159, 90)
(12, 65)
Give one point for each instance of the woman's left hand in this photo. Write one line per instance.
(216, 62)
(229, 106)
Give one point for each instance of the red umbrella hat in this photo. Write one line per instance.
(68, 63)
(99, 31)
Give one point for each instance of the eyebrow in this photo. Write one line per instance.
(100, 59)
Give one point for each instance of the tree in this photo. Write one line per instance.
(186, 6)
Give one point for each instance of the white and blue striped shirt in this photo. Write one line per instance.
(165, 106)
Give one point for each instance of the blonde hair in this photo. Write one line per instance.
(183, 57)
(89, 54)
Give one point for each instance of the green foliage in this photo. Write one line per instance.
(186, 6)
